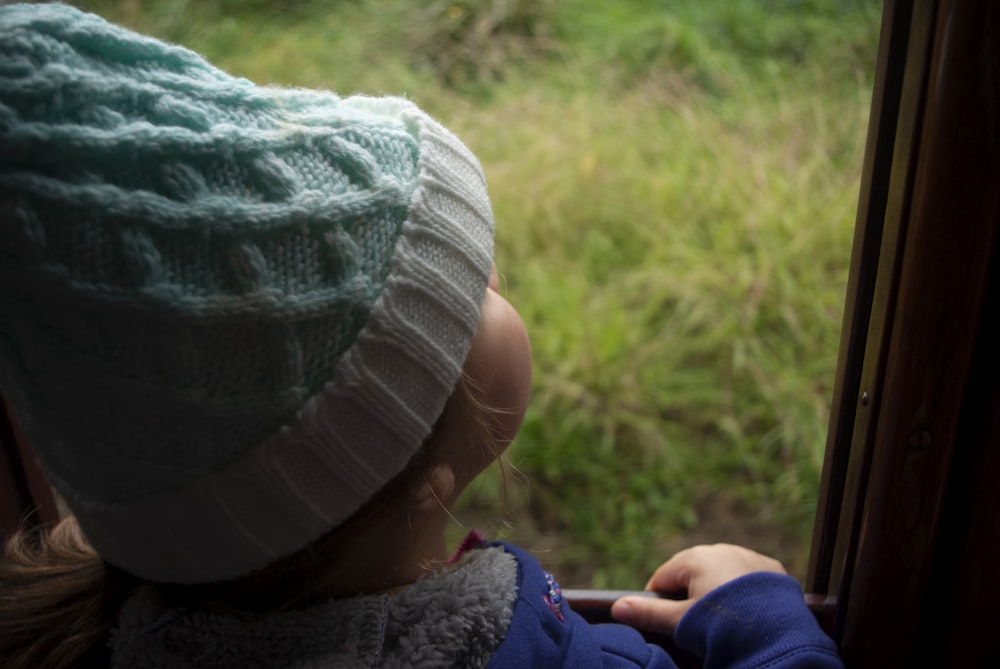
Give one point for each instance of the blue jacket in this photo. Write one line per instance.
(496, 608)
(758, 620)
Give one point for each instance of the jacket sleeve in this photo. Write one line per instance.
(534, 640)
(757, 620)
(544, 632)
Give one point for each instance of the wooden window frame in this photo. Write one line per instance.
(904, 543)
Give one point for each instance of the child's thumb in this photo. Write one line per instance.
(649, 613)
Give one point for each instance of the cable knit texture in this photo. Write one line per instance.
(229, 314)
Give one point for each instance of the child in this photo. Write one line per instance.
(255, 338)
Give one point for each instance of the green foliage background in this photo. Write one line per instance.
(675, 186)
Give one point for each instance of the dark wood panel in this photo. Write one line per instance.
(915, 545)
(823, 576)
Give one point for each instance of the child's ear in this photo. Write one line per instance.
(435, 489)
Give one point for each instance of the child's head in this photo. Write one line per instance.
(231, 315)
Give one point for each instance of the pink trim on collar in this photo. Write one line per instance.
(471, 541)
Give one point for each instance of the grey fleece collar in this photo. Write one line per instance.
(453, 618)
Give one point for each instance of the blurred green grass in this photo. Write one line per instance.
(675, 187)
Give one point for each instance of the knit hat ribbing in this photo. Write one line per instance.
(229, 314)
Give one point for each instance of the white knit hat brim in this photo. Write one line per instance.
(365, 425)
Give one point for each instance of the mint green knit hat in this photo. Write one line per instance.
(229, 314)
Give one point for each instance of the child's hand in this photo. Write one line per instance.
(697, 570)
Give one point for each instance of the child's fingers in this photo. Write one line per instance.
(652, 615)
(703, 568)
(697, 570)
(675, 574)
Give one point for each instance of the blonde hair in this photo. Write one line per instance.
(57, 598)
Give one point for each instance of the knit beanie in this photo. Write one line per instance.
(229, 314)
